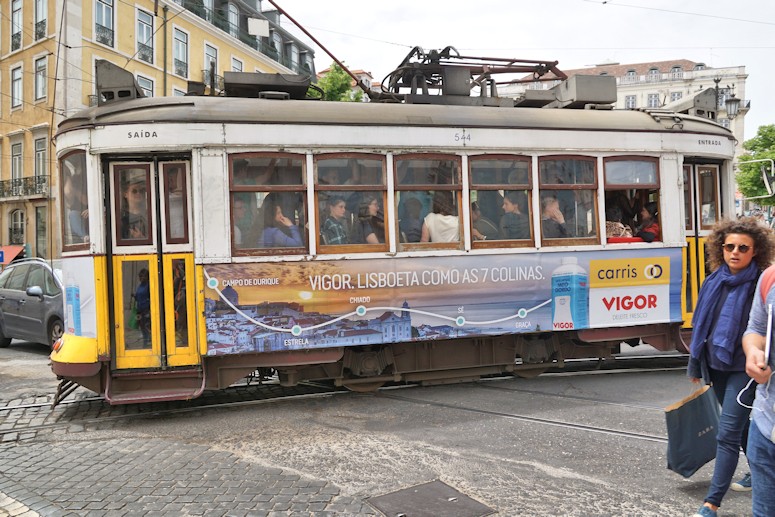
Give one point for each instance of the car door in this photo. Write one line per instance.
(32, 309)
(10, 298)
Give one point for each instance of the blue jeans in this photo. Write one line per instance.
(732, 426)
(761, 459)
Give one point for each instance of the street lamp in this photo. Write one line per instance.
(731, 105)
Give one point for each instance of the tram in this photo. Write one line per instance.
(438, 239)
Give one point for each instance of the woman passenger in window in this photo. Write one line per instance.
(552, 220)
(370, 227)
(482, 228)
(279, 231)
(514, 223)
(442, 224)
(648, 230)
(134, 207)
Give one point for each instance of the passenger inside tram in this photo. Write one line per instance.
(442, 224)
(552, 219)
(515, 224)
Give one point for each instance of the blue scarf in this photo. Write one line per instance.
(730, 319)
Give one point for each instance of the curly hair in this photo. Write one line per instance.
(763, 241)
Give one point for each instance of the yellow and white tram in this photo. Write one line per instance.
(206, 238)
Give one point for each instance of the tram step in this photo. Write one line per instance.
(154, 388)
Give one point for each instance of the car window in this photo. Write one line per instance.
(51, 288)
(35, 277)
(16, 281)
(5, 275)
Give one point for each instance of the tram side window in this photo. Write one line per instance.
(631, 198)
(350, 194)
(428, 195)
(500, 200)
(568, 188)
(75, 200)
(709, 197)
(133, 219)
(267, 203)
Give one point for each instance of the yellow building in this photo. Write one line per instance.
(48, 51)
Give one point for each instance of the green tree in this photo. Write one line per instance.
(749, 176)
(337, 86)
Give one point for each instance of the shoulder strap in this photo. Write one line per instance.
(767, 281)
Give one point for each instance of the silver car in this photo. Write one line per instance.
(31, 306)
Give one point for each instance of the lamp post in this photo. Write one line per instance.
(716, 80)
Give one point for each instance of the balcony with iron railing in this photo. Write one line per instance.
(104, 34)
(145, 53)
(221, 21)
(27, 187)
(40, 30)
(16, 41)
(181, 67)
(218, 80)
(15, 235)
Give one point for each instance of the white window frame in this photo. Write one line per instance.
(104, 14)
(180, 49)
(41, 15)
(674, 96)
(17, 224)
(17, 87)
(41, 156)
(237, 65)
(41, 78)
(653, 100)
(233, 20)
(178, 93)
(144, 33)
(210, 54)
(146, 84)
(630, 102)
(17, 170)
(653, 75)
(17, 9)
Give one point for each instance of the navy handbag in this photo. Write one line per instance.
(692, 424)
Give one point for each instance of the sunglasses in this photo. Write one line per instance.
(742, 248)
(137, 190)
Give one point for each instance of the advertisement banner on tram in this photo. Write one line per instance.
(262, 307)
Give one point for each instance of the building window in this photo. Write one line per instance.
(699, 66)
(41, 14)
(146, 85)
(630, 103)
(16, 87)
(16, 231)
(103, 21)
(676, 72)
(292, 51)
(180, 53)
(211, 60)
(41, 156)
(630, 76)
(233, 20)
(653, 75)
(144, 36)
(653, 100)
(178, 93)
(16, 161)
(568, 198)
(236, 65)
(41, 238)
(41, 78)
(277, 42)
(674, 96)
(16, 25)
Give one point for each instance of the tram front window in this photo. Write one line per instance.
(75, 205)
(134, 217)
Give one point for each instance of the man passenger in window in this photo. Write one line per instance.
(515, 224)
(552, 220)
(648, 230)
(442, 224)
(334, 230)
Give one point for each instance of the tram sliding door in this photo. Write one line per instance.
(152, 265)
(702, 204)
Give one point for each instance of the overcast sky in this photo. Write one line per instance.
(375, 36)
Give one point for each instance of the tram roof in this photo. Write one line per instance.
(204, 110)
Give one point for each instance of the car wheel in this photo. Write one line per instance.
(55, 330)
(4, 341)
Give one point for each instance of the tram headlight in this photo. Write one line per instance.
(58, 345)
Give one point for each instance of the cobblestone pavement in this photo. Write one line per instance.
(42, 472)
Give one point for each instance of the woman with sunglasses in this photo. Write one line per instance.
(738, 251)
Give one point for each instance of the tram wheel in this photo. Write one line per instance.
(530, 373)
(363, 387)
